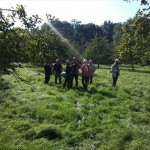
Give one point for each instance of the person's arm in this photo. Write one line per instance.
(78, 65)
(82, 67)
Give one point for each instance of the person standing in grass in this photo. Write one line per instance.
(115, 72)
(75, 71)
(85, 74)
(57, 71)
(67, 75)
(91, 71)
(48, 71)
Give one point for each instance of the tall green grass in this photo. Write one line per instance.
(36, 116)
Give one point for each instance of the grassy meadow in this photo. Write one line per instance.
(35, 116)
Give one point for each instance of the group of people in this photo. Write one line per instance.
(71, 72)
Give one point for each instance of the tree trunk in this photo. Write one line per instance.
(131, 60)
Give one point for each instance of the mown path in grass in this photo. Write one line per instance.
(35, 116)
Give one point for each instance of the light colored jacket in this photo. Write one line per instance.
(114, 70)
(91, 70)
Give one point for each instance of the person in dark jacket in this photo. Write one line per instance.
(57, 71)
(74, 71)
(67, 75)
(48, 71)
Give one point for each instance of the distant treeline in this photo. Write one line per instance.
(31, 42)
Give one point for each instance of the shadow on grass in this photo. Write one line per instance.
(108, 94)
(4, 85)
(101, 84)
(142, 71)
(136, 69)
(5, 89)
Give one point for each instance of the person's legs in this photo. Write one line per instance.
(56, 76)
(114, 81)
(76, 79)
(116, 78)
(91, 80)
(83, 81)
(64, 85)
(71, 80)
(59, 75)
(47, 78)
(86, 82)
(68, 82)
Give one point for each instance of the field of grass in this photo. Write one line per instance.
(34, 116)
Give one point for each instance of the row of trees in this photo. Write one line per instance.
(128, 41)
(135, 46)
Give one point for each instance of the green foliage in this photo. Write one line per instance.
(134, 46)
(99, 50)
(143, 2)
(38, 116)
(13, 47)
(108, 29)
(27, 44)
(117, 37)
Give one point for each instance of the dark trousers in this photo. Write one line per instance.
(115, 80)
(47, 78)
(57, 75)
(85, 81)
(67, 81)
(72, 78)
(90, 80)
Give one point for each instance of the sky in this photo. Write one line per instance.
(86, 11)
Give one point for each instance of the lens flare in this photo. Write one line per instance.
(64, 40)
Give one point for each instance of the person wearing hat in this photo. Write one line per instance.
(115, 72)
